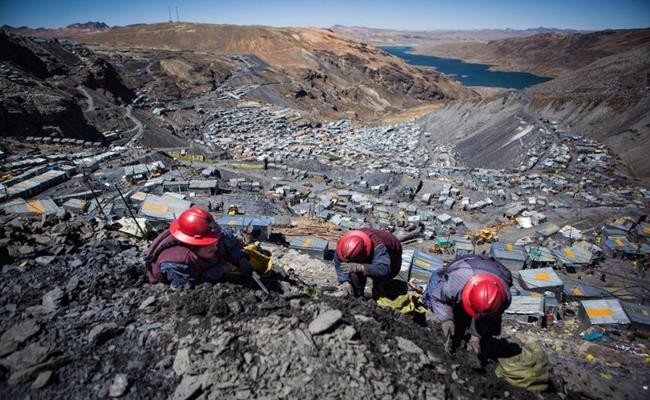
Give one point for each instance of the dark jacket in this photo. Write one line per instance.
(443, 294)
(165, 249)
(385, 259)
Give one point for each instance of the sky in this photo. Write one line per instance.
(403, 15)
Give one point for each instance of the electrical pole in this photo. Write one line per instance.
(169, 9)
(177, 19)
(144, 235)
(92, 191)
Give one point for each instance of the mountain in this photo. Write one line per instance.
(309, 69)
(69, 31)
(606, 100)
(546, 54)
(393, 37)
(39, 81)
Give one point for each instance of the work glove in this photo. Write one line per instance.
(348, 268)
(246, 267)
(448, 334)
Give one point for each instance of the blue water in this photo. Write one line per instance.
(466, 73)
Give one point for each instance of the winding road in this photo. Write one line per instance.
(91, 101)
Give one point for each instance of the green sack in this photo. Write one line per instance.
(407, 304)
(528, 370)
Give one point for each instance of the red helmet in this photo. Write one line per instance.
(196, 227)
(354, 246)
(484, 296)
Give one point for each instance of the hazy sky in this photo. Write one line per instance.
(415, 15)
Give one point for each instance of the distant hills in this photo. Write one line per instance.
(392, 37)
(69, 31)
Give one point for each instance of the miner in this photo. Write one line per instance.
(194, 249)
(470, 295)
(364, 253)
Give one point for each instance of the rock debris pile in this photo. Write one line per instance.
(82, 323)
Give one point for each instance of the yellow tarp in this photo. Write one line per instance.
(407, 304)
(528, 370)
(261, 263)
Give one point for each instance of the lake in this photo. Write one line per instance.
(466, 73)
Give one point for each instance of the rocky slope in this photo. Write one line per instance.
(314, 69)
(39, 80)
(79, 321)
(546, 54)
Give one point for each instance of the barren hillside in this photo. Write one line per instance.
(314, 68)
(607, 101)
(547, 54)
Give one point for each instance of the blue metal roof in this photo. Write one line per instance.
(581, 291)
(508, 251)
(243, 221)
(425, 261)
(573, 256)
(308, 243)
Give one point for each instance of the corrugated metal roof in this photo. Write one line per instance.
(547, 229)
(580, 291)
(138, 169)
(540, 278)
(643, 229)
(526, 305)
(407, 258)
(588, 246)
(508, 251)
(637, 313)
(139, 196)
(604, 312)
(42, 206)
(207, 184)
(163, 208)
(308, 243)
(172, 195)
(620, 243)
(425, 261)
(622, 223)
(75, 204)
(463, 245)
(540, 254)
(239, 221)
(41, 180)
(573, 256)
(644, 248)
(513, 209)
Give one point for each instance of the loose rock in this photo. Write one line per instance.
(325, 321)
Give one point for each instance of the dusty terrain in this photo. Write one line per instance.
(87, 325)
